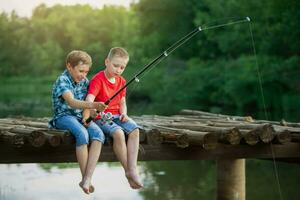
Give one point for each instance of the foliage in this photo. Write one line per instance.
(217, 70)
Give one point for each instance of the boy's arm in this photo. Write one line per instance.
(87, 112)
(123, 110)
(74, 103)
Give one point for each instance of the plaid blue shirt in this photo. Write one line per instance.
(63, 84)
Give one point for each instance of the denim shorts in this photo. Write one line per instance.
(82, 134)
(109, 128)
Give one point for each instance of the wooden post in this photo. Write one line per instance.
(231, 179)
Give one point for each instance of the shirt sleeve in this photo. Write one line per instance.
(94, 87)
(63, 85)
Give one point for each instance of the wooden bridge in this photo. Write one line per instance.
(190, 135)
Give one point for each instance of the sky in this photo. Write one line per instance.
(24, 7)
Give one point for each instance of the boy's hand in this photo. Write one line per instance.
(124, 117)
(85, 115)
(84, 122)
(93, 113)
(88, 113)
(100, 106)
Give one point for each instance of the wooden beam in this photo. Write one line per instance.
(231, 179)
(66, 153)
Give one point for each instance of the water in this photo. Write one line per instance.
(163, 180)
(31, 182)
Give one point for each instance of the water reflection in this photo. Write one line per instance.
(191, 180)
(31, 182)
(163, 180)
(180, 180)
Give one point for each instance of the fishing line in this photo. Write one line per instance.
(265, 110)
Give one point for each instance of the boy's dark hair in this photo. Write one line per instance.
(117, 52)
(78, 57)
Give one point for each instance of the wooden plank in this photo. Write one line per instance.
(66, 153)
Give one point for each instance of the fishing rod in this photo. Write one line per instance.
(164, 54)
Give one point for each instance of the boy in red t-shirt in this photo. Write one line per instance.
(103, 86)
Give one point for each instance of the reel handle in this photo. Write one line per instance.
(98, 112)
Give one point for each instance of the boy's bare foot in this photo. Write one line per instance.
(84, 187)
(133, 180)
(91, 189)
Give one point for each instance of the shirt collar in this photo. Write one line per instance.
(67, 73)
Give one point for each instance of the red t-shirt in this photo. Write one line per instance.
(102, 89)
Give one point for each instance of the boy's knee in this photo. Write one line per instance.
(97, 136)
(134, 133)
(95, 133)
(82, 138)
(118, 135)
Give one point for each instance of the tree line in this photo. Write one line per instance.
(242, 69)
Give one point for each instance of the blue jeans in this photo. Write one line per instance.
(110, 128)
(81, 133)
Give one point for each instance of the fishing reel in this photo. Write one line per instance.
(106, 118)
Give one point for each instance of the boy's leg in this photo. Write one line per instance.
(132, 155)
(119, 147)
(80, 133)
(119, 143)
(97, 138)
(121, 151)
(131, 129)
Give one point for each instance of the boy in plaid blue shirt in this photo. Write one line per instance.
(68, 95)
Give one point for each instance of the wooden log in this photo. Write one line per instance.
(283, 128)
(195, 118)
(225, 135)
(36, 138)
(17, 129)
(180, 140)
(153, 136)
(168, 135)
(14, 139)
(25, 123)
(204, 139)
(282, 137)
(231, 179)
(295, 137)
(203, 113)
(290, 124)
(279, 123)
(65, 136)
(265, 132)
(249, 137)
(66, 153)
(238, 125)
(142, 136)
(232, 136)
(52, 139)
(7, 127)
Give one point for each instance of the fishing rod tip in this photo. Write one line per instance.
(248, 19)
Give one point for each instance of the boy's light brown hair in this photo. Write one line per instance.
(117, 52)
(78, 57)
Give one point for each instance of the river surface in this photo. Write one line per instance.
(31, 182)
(163, 180)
